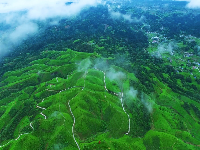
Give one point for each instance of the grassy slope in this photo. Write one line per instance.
(36, 101)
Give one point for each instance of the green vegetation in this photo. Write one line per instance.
(91, 87)
(37, 114)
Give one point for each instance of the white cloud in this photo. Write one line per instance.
(23, 31)
(164, 48)
(131, 93)
(192, 3)
(101, 64)
(21, 15)
(115, 15)
(84, 65)
(43, 5)
(127, 17)
(58, 8)
(116, 75)
(148, 104)
(44, 9)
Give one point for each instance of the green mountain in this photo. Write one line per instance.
(77, 100)
(98, 82)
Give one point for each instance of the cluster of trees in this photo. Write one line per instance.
(120, 37)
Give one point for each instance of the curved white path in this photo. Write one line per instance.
(73, 125)
(129, 123)
(121, 99)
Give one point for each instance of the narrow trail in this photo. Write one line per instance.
(74, 119)
(73, 125)
(29, 125)
(73, 114)
(121, 99)
(129, 123)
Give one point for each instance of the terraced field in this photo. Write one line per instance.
(75, 100)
